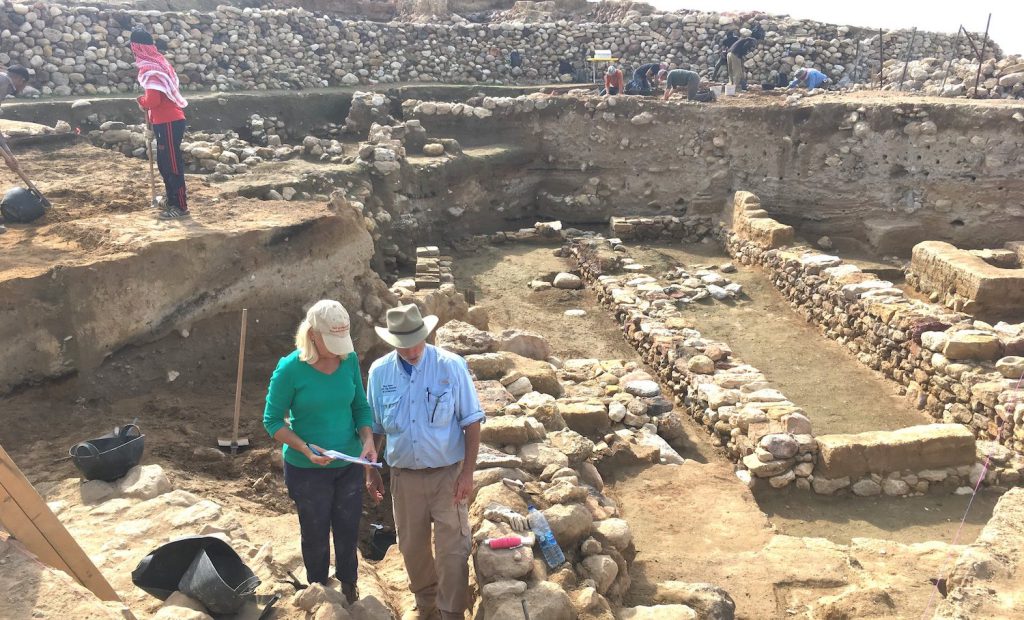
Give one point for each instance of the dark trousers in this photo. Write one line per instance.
(169, 161)
(327, 499)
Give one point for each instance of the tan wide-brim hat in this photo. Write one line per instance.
(406, 328)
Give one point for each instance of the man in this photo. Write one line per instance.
(613, 81)
(645, 78)
(425, 406)
(731, 37)
(11, 83)
(677, 78)
(810, 78)
(737, 53)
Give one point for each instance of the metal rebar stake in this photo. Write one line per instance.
(906, 58)
(981, 56)
(949, 65)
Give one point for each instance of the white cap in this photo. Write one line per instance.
(331, 321)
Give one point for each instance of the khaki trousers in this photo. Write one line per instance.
(736, 71)
(423, 497)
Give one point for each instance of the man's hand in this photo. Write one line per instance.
(320, 460)
(463, 486)
(374, 485)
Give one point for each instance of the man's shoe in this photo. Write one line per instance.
(350, 591)
(422, 614)
(173, 213)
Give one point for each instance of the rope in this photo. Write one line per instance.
(1012, 405)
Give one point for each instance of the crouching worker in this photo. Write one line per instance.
(425, 406)
(316, 402)
(677, 79)
(163, 104)
(810, 78)
(613, 81)
(11, 83)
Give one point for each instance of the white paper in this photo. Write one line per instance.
(338, 456)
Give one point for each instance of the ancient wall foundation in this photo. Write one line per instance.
(956, 369)
(83, 51)
(988, 284)
(769, 437)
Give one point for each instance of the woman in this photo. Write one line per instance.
(162, 102)
(319, 392)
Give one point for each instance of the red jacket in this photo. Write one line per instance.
(614, 80)
(160, 108)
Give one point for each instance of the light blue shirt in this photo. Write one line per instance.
(423, 412)
(814, 79)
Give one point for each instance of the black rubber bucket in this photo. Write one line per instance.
(380, 541)
(111, 456)
(21, 206)
(219, 579)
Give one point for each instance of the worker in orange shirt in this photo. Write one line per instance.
(613, 81)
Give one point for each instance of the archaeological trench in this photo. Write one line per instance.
(754, 358)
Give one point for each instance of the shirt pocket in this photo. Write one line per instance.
(440, 405)
(390, 416)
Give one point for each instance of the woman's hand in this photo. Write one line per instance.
(374, 485)
(369, 452)
(318, 460)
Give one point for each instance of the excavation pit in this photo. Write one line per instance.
(700, 387)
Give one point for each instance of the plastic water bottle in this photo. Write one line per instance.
(548, 545)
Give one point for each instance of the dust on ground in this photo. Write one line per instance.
(818, 374)
(500, 275)
(102, 208)
(697, 523)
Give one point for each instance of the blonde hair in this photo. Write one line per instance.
(304, 343)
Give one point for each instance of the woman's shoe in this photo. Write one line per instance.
(350, 591)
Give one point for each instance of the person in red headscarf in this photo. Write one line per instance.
(163, 104)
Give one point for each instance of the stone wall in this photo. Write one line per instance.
(769, 437)
(988, 284)
(951, 366)
(873, 177)
(81, 50)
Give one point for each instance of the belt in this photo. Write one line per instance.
(427, 470)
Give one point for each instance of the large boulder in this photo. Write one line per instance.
(657, 612)
(709, 601)
(570, 523)
(464, 339)
(493, 396)
(537, 456)
(505, 430)
(144, 482)
(527, 344)
(489, 366)
(498, 564)
(545, 600)
(586, 418)
(544, 408)
(972, 344)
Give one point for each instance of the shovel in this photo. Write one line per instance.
(155, 201)
(13, 164)
(236, 443)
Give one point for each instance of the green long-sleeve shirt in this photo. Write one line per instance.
(326, 410)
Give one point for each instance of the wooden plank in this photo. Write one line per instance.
(24, 513)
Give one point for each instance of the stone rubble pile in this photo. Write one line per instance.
(146, 511)
(958, 369)
(83, 50)
(548, 435)
(1002, 78)
(690, 228)
(766, 434)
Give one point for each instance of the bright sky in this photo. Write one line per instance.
(935, 16)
